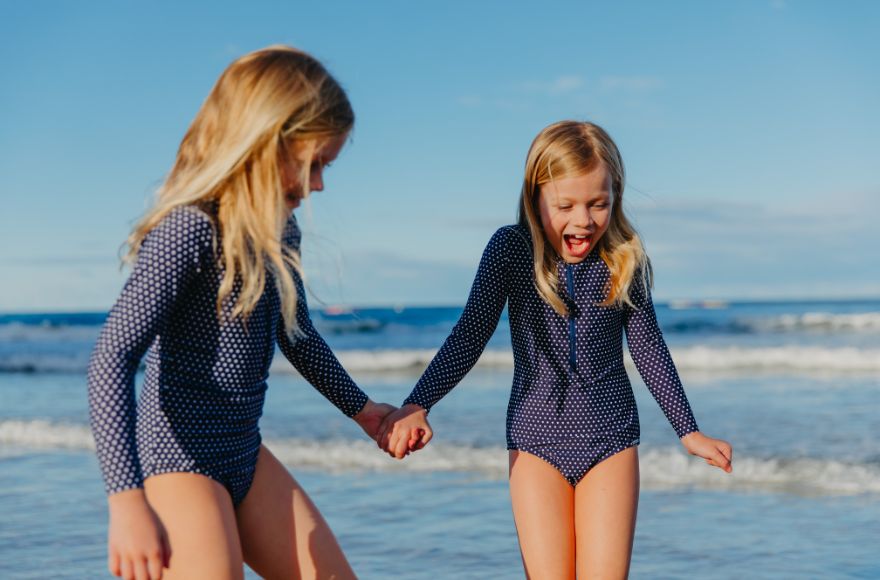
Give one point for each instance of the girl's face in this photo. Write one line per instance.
(575, 212)
(294, 157)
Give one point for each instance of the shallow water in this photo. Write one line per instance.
(454, 525)
(803, 502)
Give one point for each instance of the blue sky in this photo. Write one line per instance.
(749, 131)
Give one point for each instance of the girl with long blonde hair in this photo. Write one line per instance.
(575, 277)
(216, 284)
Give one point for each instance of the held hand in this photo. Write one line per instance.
(370, 417)
(715, 451)
(405, 430)
(137, 543)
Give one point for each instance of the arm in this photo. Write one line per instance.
(652, 359)
(311, 355)
(408, 429)
(474, 328)
(654, 363)
(168, 259)
(314, 360)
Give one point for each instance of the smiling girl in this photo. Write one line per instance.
(575, 277)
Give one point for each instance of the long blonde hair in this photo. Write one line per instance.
(263, 105)
(570, 149)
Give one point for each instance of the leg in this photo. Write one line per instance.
(543, 509)
(197, 512)
(606, 501)
(283, 533)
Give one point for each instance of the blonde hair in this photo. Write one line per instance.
(264, 104)
(571, 149)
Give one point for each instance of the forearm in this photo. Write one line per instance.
(658, 371)
(458, 355)
(312, 358)
(655, 365)
(112, 415)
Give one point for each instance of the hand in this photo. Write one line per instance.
(137, 543)
(370, 417)
(715, 451)
(405, 430)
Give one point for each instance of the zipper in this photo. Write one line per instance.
(572, 335)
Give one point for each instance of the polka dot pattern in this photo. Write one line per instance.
(571, 403)
(205, 380)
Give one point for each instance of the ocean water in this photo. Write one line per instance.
(794, 387)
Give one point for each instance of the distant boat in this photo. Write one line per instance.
(343, 319)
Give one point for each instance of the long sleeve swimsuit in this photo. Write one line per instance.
(571, 402)
(205, 379)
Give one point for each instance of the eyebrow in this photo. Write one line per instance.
(603, 196)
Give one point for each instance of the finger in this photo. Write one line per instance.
(418, 440)
(127, 571)
(387, 426)
(388, 435)
(390, 442)
(154, 566)
(727, 450)
(113, 562)
(720, 460)
(427, 435)
(728, 466)
(140, 569)
(724, 456)
(415, 436)
(380, 434)
(399, 447)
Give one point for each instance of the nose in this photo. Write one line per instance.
(316, 180)
(583, 217)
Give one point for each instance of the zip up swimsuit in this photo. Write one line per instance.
(205, 380)
(571, 403)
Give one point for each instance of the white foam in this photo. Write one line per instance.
(697, 358)
(819, 322)
(673, 469)
(660, 468)
(20, 332)
(397, 360)
(795, 359)
(43, 434)
(778, 358)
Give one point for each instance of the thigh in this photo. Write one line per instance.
(543, 509)
(606, 501)
(283, 533)
(198, 515)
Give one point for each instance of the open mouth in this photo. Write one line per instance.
(578, 244)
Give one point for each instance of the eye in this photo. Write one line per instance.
(564, 207)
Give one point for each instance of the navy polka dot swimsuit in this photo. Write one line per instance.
(205, 381)
(571, 403)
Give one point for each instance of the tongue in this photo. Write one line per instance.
(577, 246)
